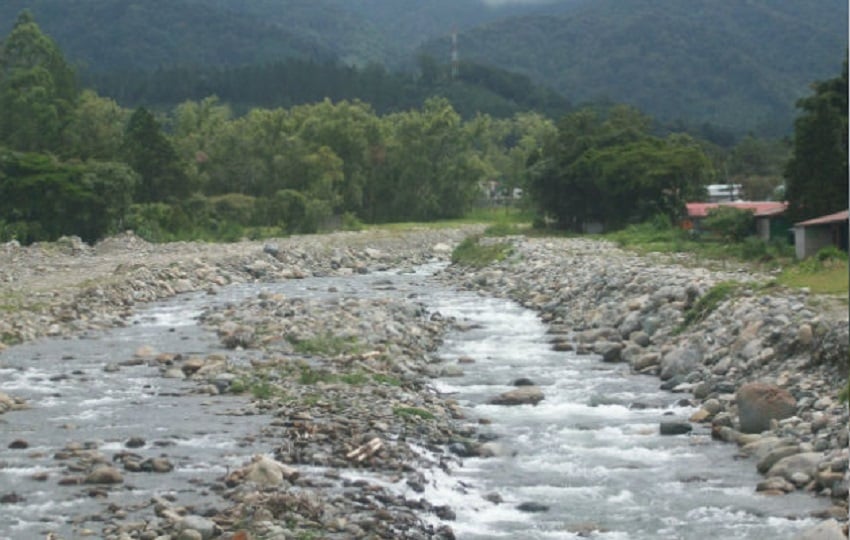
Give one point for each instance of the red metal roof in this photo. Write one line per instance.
(837, 217)
(759, 208)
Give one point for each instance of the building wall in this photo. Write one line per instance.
(763, 228)
(810, 240)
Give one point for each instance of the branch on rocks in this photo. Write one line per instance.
(366, 450)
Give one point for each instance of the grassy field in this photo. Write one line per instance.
(825, 273)
(831, 277)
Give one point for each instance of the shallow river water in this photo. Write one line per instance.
(586, 453)
(591, 451)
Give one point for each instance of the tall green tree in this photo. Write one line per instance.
(613, 172)
(350, 130)
(42, 198)
(151, 154)
(757, 165)
(96, 129)
(430, 170)
(197, 126)
(817, 175)
(37, 89)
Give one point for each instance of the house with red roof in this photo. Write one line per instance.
(812, 235)
(769, 216)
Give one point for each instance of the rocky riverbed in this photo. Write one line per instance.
(344, 379)
(764, 364)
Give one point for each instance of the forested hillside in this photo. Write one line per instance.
(736, 65)
(104, 35)
(704, 65)
(73, 161)
(479, 89)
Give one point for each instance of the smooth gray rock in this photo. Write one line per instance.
(206, 527)
(532, 507)
(759, 403)
(104, 475)
(828, 530)
(640, 338)
(524, 395)
(680, 361)
(806, 463)
(608, 350)
(675, 428)
(773, 457)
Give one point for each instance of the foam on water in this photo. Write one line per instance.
(583, 451)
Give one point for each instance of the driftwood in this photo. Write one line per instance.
(366, 450)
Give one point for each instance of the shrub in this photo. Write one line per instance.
(326, 345)
(471, 252)
(753, 248)
(731, 224)
(350, 222)
(831, 253)
(234, 207)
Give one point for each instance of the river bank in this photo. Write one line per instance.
(764, 364)
(344, 378)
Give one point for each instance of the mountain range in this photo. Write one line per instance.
(739, 65)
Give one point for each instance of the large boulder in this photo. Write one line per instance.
(805, 463)
(524, 395)
(827, 530)
(681, 361)
(263, 471)
(608, 350)
(205, 528)
(104, 475)
(759, 403)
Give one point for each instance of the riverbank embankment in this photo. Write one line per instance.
(764, 364)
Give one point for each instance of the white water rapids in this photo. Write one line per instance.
(586, 452)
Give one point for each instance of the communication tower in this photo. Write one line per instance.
(455, 61)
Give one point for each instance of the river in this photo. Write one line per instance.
(589, 455)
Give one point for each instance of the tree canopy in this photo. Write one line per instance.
(817, 174)
(79, 163)
(612, 171)
(37, 89)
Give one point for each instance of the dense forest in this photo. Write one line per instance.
(77, 162)
(738, 66)
(73, 161)
(717, 69)
(476, 89)
(104, 35)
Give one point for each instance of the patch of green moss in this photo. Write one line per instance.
(389, 380)
(326, 345)
(707, 303)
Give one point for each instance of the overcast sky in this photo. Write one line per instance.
(504, 2)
